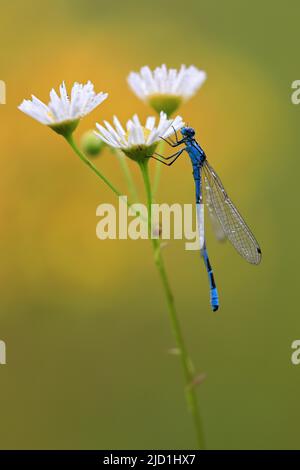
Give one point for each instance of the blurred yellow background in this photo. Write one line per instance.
(85, 322)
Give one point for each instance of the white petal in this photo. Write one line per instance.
(118, 137)
(101, 137)
(150, 123)
(113, 141)
(118, 126)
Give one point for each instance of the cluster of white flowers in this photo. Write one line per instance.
(163, 88)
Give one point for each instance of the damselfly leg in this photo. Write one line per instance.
(171, 142)
(175, 156)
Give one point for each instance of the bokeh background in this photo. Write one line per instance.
(85, 321)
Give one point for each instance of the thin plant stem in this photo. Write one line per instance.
(127, 173)
(69, 138)
(158, 168)
(176, 327)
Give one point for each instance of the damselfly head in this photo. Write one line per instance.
(187, 132)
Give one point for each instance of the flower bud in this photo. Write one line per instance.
(91, 144)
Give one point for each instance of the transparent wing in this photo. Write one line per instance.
(217, 227)
(232, 223)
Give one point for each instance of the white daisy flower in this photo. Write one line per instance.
(63, 113)
(138, 141)
(165, 89)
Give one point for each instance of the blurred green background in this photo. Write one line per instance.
(85, 321)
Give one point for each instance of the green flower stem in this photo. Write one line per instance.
(186, 363)
(69, 138)
(127, 173)
(158, 167)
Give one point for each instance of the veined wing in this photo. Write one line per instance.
(232, 223)
(217, 227)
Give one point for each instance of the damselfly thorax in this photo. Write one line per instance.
(196, 152)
